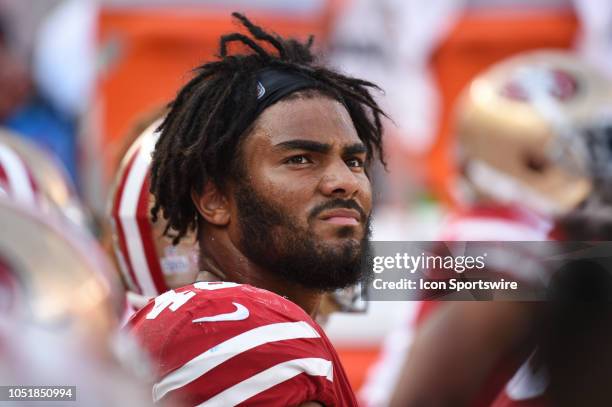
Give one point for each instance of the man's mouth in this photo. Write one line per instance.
(349, 217)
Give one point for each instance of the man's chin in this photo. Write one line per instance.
(328, 265)
(341, 246)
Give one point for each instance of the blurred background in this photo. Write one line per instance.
(76, 75)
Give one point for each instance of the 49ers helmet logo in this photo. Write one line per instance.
(559, 84)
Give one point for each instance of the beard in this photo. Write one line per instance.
(273, 240)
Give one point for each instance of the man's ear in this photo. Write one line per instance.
(212, 204)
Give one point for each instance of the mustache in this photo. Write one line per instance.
(338, 204)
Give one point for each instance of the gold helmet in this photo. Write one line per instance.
(59, 274)
(59, 309)
(150, 264)
(55, 278)
(46, 182)
(530, 129)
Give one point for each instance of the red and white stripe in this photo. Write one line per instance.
(16, 179)
(498, 224)
(271, 377)
(276, 356)
(136, 246)
(242, 346)
(479, 224)
(219, 354)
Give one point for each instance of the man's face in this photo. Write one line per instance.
(304, 201)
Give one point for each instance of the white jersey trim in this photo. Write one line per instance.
(270, 377)
(226, 350)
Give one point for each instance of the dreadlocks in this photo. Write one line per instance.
(200, 136)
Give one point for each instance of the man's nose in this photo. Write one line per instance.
(339, 181)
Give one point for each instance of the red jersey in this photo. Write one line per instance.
(226, 344)
(496, 223)
(485, 223)
(500, 223)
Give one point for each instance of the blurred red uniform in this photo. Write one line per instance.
(481, 223)
(220, 344)
(496, 223)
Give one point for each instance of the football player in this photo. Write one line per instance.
(264, 155)
(525, 128)
(148, 261)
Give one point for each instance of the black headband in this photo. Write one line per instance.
(273, 84)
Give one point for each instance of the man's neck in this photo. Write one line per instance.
(221, 258)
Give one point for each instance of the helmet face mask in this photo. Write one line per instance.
(351, 299)
(523, 128)
(599, 145)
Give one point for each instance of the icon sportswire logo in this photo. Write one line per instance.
(240, 314)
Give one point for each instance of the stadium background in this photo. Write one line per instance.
(95, 68)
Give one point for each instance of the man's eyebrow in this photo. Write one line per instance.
(307, 145)
(357, 148)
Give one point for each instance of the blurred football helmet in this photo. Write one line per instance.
(56, 270)
(149, 263)
(59, 309)
(534, 130)
(30, 175)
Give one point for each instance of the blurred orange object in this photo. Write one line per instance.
(479, 39)
(147, 53)
(356, 362)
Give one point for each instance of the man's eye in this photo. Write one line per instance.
(354, 162)
(298, 159)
